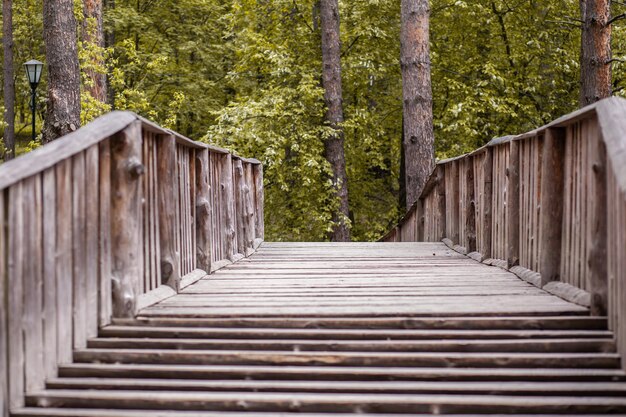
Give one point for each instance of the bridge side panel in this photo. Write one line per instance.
(4, 374)
(616, 265)
(582, 139)
(499, 225)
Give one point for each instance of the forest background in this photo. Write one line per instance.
(246, 75)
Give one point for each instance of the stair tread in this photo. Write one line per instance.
(593, 388)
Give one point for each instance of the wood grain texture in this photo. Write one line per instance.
(126, 169)
(79, 255)
(104, 253)
(49, 280)
(92, 241)
(552, 191)
(16, 295)
(65, 286)
(204, 211)
(32, 279)
(227, 206)
(4, 289)
(259, 197)
(167, 192)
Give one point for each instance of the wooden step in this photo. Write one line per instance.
(390, 387)
(342, 334)
(439, 323)
(337, 373)
(85, 412)
(342, 403)
(393, 359)
(456, 345)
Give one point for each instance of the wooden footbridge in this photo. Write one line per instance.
(134, 281)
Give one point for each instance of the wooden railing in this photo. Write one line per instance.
(549, 205)
(115, 216)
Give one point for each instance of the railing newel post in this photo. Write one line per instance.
(513, 205)
(168, 195)
(126, 215)
(204, 211)
(551, 198)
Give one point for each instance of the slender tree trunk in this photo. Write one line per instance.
(109, 42)
(93, 33)
(9, 79)
(63, 107)
(595, 51)
(333, 146)
(418, 139)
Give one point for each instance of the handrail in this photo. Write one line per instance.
(104, 221)
(549, 205)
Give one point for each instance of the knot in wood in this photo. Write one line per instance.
(136, 168)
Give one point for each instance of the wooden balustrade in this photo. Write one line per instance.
(109, 219)
(549, 205)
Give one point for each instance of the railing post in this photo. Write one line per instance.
(228, 205)
(4, 336)
(249, 208)
(419, 220)
(441, 191)
(126, 169)
(470, 207)
(259, 226)
(204, 211)
(168, 198)
(513, 206)
(598, 278)
(487, 202)
(551, 214)
(240, 206)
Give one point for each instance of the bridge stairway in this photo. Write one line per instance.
(339, 329)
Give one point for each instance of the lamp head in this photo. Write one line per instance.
(34, 69)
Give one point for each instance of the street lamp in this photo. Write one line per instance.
(33, 72)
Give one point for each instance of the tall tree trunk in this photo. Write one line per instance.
(418, 138)
(595, 51)
(9, 79)
(109, 42)
(93, 33)
(333, 146)
(63, 107)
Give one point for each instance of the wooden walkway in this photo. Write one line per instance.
(327, 329)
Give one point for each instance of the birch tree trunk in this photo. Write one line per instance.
(418, 137)
(63, 107)
(93, 33)
(595, 51)
(9, 79)
(333, 146)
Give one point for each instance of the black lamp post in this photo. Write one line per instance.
(33, 72)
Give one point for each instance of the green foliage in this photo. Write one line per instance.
(246, 75)
(504, 67)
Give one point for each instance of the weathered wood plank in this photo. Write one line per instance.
(228, 206)
(16, 295)
(92, 220)
(63, 148)
(597, 256)
(259, 201)
(4, 290)
(552, 193)
(49, 313)
(204, 211)
(168, 190)
(126, 168)
(33, 278)
(64, 262)
(104, 216)
(513, 205)
(79, 255)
